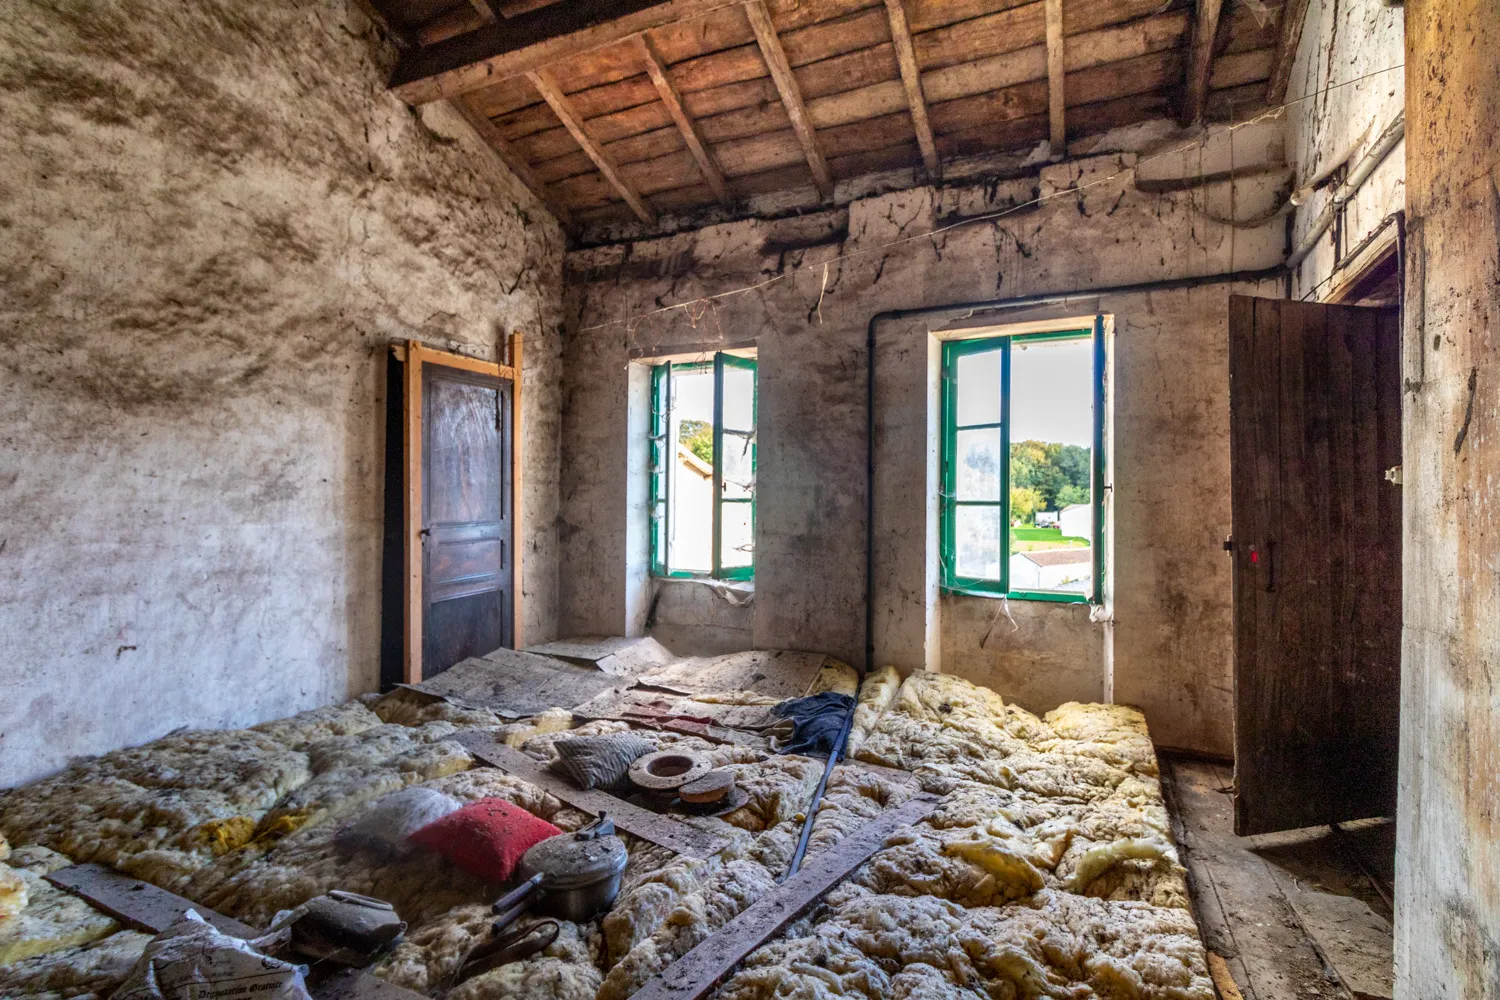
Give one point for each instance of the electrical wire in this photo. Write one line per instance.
(704, 302)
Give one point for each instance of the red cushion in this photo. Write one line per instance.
(485, 838)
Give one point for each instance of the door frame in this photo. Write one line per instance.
(413, 354)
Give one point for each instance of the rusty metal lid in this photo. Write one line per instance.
(567, 862)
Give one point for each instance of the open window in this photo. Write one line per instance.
(703, 417)
(1022, 473)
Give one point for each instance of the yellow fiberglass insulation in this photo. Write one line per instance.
(14, 890)
(875, 696)
(1046, 870)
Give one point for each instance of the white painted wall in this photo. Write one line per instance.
(216, 220)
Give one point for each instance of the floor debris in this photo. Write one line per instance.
(1046, 866)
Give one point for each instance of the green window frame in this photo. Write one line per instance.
(663, 455)
(951, 581)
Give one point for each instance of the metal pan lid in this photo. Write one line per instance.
(566, 862)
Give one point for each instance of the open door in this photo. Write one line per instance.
(1315, 423)
(462, 475)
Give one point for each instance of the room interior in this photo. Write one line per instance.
(953, 498)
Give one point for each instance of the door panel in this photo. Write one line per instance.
(466, 510)
(1314, 424)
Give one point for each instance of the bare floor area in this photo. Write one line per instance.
(1294, 915)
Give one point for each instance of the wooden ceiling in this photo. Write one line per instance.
(611, 111)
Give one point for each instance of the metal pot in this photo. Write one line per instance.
(577, 875)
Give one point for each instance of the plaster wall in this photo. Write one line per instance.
(803, 289)
(1447, 931)
(1346, 87)
(215, 221)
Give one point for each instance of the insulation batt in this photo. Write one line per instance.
(1047, 869)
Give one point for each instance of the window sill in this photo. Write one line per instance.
(1021, 595)
(741, 586)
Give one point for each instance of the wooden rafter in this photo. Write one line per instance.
(530, 41)
(1056, 78)
(1205, 29)
(1293, 16)
(657, 70)
(517, 165)
(791, 93)
(911, 79)
(553, 95)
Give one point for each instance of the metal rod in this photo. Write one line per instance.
(1384, 143)
(812, 809)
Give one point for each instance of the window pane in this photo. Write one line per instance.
(690, 547)
(739, 398)
(738, 465)
(976, 542)
(977, 473)
(1051, 462)
(978, 388)
(738, 547)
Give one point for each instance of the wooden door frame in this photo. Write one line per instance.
(413, 355)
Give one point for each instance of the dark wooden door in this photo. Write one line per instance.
(467, 562)
(1315, 422)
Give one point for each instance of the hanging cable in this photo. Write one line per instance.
(703, 301)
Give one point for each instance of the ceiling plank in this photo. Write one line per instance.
(657, 70)
(530, 41)
(911, 79)
(791, 94)
(548, 88)
(1293, 15)
(1205, 28)
(487, 132)
(1057, 100)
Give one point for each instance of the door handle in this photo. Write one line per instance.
(424, 532)
(1270, 565)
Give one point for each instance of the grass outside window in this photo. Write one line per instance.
(1022, 465)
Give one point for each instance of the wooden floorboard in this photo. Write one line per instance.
(1288, 912)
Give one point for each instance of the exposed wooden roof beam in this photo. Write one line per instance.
(1293, 16)
(554, 97)
(1205, 27)
(530, 41)
(517, 165)
(911, 78)
(657, 70)
(791, 94)
(1056, 79)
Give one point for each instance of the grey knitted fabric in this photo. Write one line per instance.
(599, 761)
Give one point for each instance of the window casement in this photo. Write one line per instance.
(1022, 512)
(703, 416)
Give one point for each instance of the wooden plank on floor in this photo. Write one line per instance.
(137, 904)
(663, 830)
(695, 974)
(143, 906)
(1243, 914)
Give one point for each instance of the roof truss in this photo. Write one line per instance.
(619, 110)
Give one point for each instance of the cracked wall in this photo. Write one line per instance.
(803, 288)
(215, 220)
